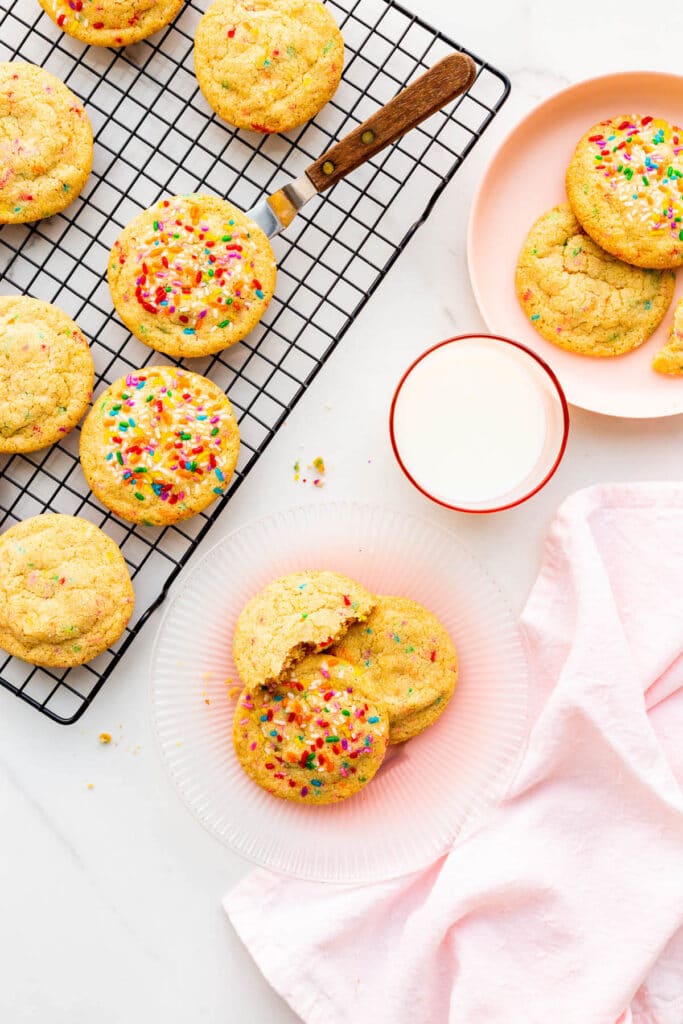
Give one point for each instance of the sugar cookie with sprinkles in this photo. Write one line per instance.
(669, 359)
(46, 374)
(159, 445)
(582, 298)
(191, 275)
(410, 662)
(291, 617)
(315, 738)
(625, 184)
(111, 22)
(46, 144)
(65, 591)
(268, 65)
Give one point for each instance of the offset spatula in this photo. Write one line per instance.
(442, 83)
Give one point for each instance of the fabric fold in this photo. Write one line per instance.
(566, 903)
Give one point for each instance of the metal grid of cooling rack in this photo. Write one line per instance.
(155, 135)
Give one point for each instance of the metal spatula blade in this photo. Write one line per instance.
(274, 213)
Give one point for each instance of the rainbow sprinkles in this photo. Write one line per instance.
(314, 737)
(160, 444)
(640, 158)
(191, 275)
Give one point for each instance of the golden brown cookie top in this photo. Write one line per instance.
(191, 275)
(46, 144)
(65, 591)
(316, 737)
(268, 65)
(410, 662)
(46, 374)
(625, 183)
(582, 298)
(294, 616)
(111, 22)
(159, 445)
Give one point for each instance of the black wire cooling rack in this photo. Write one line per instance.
(155, 135)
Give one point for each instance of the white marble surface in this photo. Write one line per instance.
(110, 897)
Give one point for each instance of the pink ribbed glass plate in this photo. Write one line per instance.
(429, 790)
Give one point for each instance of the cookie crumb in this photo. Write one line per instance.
(318, 465)
(105, 737)
(317, 477)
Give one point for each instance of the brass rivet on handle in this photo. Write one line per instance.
(367, 137)
(328, 167)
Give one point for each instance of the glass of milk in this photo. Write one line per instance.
(479, 423)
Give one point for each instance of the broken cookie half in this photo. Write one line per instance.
(299, 614)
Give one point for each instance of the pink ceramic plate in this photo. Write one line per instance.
(526, 178)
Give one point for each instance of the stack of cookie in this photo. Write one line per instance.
(596, 274)
(333, 675)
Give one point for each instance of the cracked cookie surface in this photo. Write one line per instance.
(317, 737)
(268, 65)
(291, 617)
(46, 144)
(111, 22)
(580, 297)
(409, 660)
(46, 374)
(65, 591)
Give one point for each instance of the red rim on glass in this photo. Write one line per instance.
(557, 432)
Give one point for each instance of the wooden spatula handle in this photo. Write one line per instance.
(430, 92)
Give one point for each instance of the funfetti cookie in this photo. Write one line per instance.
(268, 65)
(46, 374)
(580, 297)
(111, 22)
(669, 359)
(625, 185)
(295, 615)
(65, 591)
(191, 276)
(410, 662)
(160, 445)
(316, 737)
(46, 144)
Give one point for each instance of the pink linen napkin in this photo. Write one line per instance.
(566, 905)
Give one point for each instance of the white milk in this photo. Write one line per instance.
(470, 422)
